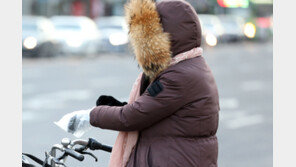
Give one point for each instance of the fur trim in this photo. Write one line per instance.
(150, 43)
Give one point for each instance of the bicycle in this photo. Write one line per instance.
(67, 147)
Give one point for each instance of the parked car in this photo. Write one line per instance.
(212, 29)
(78, 34)
(233, 28)
(264, 29)
(38, 37)
(114, 32)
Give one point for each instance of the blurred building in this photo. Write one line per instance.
(97, 8)
(90, 8)
(244, 8)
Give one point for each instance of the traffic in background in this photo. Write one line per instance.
(76, 50)
(80, 27)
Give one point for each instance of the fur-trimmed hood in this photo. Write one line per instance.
(150, 44)
(159, 31)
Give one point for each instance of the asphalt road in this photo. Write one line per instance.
(243, 72)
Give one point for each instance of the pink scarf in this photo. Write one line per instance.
(126, 141)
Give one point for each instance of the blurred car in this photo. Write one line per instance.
(212, 29)
(233, 28)
(38, 37)
(259, 28)
(114, 34)
(263, 28)
(77, 34)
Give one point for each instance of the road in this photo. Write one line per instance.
(243, 72)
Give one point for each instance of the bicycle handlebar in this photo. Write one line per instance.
(106, 148)
(95, 145)
(74, 154)
(91, 144)
(79, 142)
(67, 147)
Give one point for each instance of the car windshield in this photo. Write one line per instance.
(207, 22)
(68, 27)
(29, 27)
(228, 21)
(207, 19)
(208, 25)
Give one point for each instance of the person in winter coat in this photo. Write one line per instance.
(171, 119)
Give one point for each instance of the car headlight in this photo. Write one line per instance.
(74, 43)
(30, 43)
(250, 30)
(118, 39)
(211, 40)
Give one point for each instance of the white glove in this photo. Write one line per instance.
(76, 123)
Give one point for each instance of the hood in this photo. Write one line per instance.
(180, 20)
(160, 31)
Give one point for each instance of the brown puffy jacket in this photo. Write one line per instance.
(178, 126)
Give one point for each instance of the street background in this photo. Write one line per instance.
(73, 71)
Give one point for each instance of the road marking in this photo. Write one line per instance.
(55, 100)
(72, 94)
(226, 115)
(38, 103)
(105, 82)
(229, 103)
(252, 85)
(238, 119)
(29, 73)
(244, 121)
(27, 116)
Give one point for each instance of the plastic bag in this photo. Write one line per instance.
(76, 123)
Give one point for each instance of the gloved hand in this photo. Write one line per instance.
(109, 101)
(76, 123)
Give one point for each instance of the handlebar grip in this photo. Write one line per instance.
(74, 154)
(106, 148)
(94, 145)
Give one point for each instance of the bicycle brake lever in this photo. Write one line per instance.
(91, 154)
(80, 149)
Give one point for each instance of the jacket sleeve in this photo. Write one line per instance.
(142, 113)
